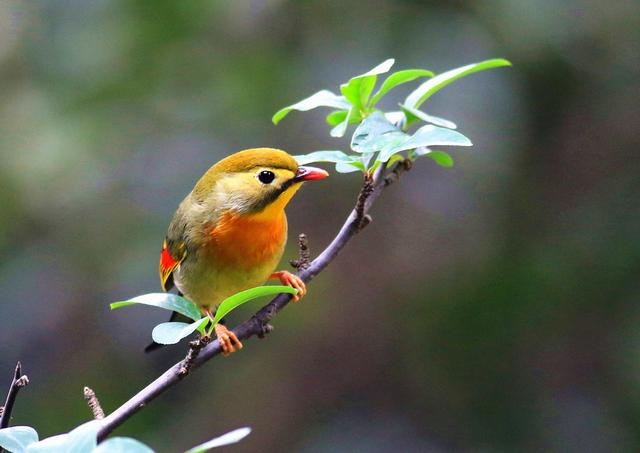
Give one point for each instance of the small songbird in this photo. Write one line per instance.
(229, 233)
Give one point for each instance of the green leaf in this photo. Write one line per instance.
(344, 162)
(398, 78)
(323, 98)
(341, 128)
(16, 439)
(415, 114)
(426, 136)
(358, 89)
(173, 332)
(337, 117)
(440, 157)
(233, 302)
(349, 167)
(322, 156)
(395, 158)
(167, 301)
(80, 440)
(122, 445)
(424, 91)
(226, 439)
(374, 133)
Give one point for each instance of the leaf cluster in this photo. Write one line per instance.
(83, 439)
(383, 137)
(173, 332)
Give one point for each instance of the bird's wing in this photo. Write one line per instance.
(173, 253)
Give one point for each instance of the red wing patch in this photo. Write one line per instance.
(168, 264)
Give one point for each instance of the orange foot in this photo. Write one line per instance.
(289, 279)
(227, 339)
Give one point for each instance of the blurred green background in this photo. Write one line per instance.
(490, 307)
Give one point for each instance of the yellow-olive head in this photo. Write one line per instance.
(254, 181)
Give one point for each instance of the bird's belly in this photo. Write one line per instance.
(236, 259)
(208, 286)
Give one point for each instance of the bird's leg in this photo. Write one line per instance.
(289, 279)
(227, 339)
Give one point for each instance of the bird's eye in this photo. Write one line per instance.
(266, 177)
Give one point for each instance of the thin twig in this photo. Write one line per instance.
(94, 404)
(362, 218)
(304, 254)
(258, 324)
(19, 380)
(195, 347)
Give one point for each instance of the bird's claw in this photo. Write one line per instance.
(289, 279)
(227, 339)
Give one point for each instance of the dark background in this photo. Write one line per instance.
(490, 307)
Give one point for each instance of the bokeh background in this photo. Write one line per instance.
(491, 307)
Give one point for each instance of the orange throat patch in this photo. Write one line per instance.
(246, 241)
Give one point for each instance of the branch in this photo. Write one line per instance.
(19, 380)
(258, 324)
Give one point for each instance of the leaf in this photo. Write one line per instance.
(341, 128)
(395, 117)
(426, 136)
(122, 445)
(322, 156)
(173, 332)
(323, 98)
(424, 91)
(415, 114)
(79, 440)
(233, 302)
(226, 439)
(368, 136)
(337, 117)
(349, 167)
(398, 78)
(358, 89)
(395, 158)
(167, 301)
(16, 439)
(440, 157)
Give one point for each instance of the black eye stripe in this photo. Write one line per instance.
(266, 177)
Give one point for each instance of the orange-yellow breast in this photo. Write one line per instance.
(246, 242)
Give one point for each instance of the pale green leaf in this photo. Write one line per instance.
(323, 98)
(354, 164)
(373, 133)
(16, 439)
(173, 332)
(79, 440)
(167, 301)
(349, 167)
(415, 114)
(358, 89)
(231, 303)
(424, 91)
(398, 78)
(226, 439)
(322, 156)
(426, 136)
(341, 128)
(122, 445)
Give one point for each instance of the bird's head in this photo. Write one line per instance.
(258, 181)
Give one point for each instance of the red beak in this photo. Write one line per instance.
(310, 174)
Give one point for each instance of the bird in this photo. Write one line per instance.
(230, 231)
